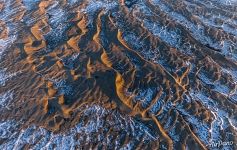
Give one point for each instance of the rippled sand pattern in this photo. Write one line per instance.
(118, 74)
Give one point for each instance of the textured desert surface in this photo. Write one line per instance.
(118, 74)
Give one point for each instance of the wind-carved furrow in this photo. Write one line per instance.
(183, 9)
(138, 106)
(150, 74)
(121, 84)
(194, 42)
(201, 49)
(168, 74)
(182, 76)
(211, 32)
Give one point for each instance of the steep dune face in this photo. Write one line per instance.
(147, 74)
